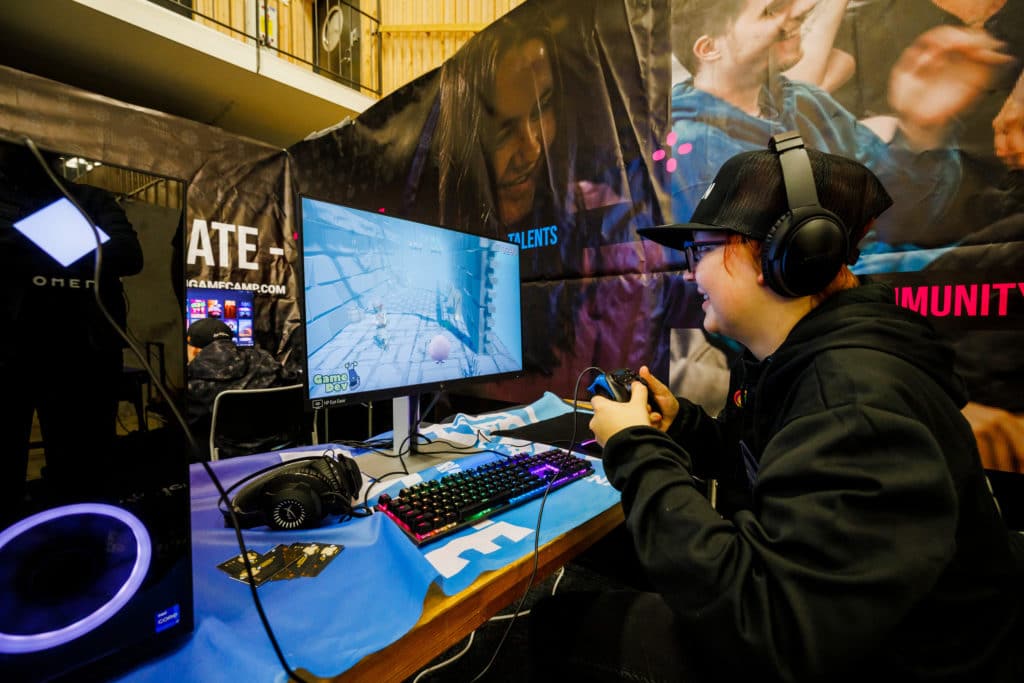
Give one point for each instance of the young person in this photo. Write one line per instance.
(221, 365)
(855, 537)
(500, 141)
(737, 51)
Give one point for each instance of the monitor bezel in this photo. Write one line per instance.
(409, 389)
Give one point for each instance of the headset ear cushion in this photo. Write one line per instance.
(342, 475)
(771, 262)
(351, 477)
(342, 480)
(804, 251)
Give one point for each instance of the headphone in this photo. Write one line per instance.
(808, 244)
(298, 494)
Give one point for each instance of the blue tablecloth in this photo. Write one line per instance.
(373, 592)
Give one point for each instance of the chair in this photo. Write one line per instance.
(248, 421)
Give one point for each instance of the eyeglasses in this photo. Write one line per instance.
(695, 251)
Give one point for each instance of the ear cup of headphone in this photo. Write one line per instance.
(804, 251)
(291, 502)
(806, 247)
(336, 494)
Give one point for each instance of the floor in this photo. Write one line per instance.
(509, 652)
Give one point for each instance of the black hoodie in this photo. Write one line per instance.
(859, 536)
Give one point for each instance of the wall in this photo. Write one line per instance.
(419, 36)
(411, 38)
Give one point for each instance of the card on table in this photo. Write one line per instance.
(282, 562)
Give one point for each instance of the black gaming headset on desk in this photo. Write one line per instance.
(297, 494)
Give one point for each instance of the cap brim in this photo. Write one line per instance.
(676, 236)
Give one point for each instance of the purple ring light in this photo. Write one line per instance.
(22, 644)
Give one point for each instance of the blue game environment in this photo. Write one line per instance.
(392, 304)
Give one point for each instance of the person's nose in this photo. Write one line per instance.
(531, 142)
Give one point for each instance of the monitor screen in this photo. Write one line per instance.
(233, 307)
(393, 307)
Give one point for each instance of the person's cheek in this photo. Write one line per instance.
(499, 160)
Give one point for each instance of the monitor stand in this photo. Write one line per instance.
(405, 418)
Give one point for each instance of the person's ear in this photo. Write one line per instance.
(706, 49)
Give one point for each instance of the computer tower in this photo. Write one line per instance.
(92, 585)
(95, 551)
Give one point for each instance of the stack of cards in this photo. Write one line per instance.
(283, 562)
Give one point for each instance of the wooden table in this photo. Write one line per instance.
(446, 620)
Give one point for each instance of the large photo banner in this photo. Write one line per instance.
(568, 124)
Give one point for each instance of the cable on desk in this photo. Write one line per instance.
(536, 535)
(529, 584)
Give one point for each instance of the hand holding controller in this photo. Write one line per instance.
(617, 386)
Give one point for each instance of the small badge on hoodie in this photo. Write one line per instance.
(739, 397)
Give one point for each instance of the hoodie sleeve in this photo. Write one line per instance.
(828, 559)
(698, 434)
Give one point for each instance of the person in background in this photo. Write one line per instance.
(220, 365)
(855, 537)
(737, 51)
(500, 117)
(822, 63)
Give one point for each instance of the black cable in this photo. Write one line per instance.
(252, 578)
(536, 535)
(529, 584)
(193, 445)
(575, 403)
(97, 270)
(425, 411)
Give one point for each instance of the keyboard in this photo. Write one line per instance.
(434, 509)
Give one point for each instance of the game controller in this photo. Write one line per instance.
(616, 385)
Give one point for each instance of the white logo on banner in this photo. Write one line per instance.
(201, 245)
(447, 559)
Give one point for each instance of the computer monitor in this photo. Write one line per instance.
(233, 307)
(394, 307)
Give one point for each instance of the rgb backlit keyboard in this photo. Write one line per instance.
(433, 509)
